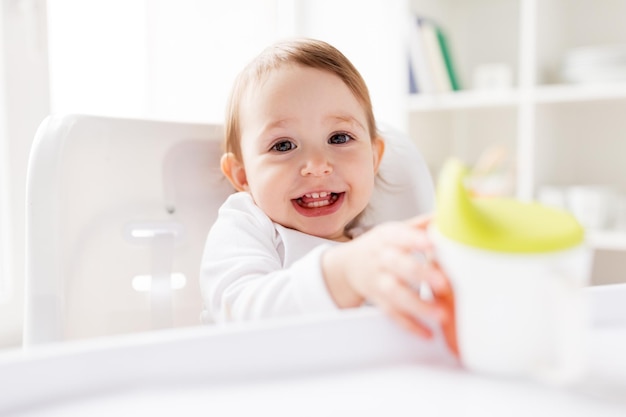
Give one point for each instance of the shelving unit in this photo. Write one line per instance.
(557, 133)
(615, 241)
(461, 100)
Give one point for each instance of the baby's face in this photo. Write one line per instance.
(308, 157)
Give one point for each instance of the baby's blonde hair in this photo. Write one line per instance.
(306, 52)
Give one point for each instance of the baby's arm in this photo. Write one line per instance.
(381, 267)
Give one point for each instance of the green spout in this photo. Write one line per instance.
(500, 224)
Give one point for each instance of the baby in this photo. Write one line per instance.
(303, 151)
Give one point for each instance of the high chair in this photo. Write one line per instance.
(117, 215)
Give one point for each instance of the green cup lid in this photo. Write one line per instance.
(500, 224)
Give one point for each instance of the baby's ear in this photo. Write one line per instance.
(378, 147)
(233, 170)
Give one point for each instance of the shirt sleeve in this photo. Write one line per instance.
(242, 275)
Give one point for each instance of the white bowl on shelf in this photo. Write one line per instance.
(595, 64)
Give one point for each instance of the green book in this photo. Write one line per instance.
(445, 51)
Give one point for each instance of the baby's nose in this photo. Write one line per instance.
(316, 165)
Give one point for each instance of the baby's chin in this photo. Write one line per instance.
(337, 234)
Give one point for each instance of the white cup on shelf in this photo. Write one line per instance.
(593, 205)
(620, 213)
(492, 76)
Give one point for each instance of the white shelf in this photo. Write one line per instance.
(567, 93)
(556, 133)
(475, 99)
(607, 240)
(465, 99)
(539, 117)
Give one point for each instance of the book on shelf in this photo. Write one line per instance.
(420, 73)
(412, 81)
(447, 57)
(431, 69)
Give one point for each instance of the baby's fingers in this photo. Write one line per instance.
(437, 281)
(410, 323)
(444, 295)
(396, 296)
(426, 271)
(420, 222)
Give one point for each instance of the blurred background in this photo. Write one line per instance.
(530, 93)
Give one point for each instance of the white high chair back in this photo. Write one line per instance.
(117, 215)
(116, 209)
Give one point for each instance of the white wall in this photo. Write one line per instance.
(24, 104)
(4, 184)
(157, 59)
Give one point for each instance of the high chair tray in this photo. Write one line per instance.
(353, 363)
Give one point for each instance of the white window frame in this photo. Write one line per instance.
(5, 230)
(24, 103)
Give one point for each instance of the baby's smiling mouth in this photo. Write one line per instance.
(317, 199)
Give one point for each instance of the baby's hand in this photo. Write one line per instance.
(383, 266)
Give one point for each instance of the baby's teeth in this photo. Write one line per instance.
(322, 194)
(318, 204)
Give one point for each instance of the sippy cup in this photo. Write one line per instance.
(517, 270)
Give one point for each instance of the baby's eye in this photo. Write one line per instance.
(339, 138)
(283, 146)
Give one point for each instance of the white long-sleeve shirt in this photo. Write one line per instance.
(254, 268)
